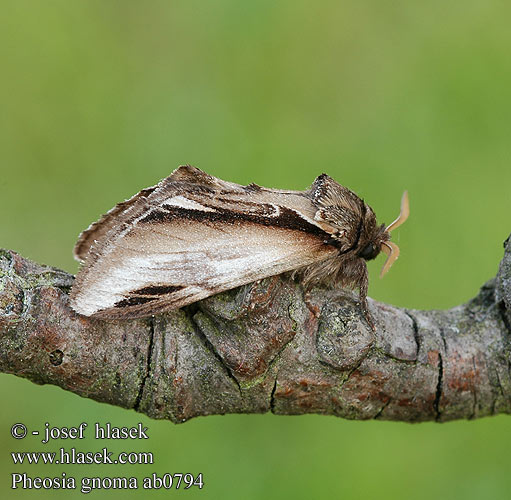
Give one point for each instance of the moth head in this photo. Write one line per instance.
(372, 236)
(375, 239)
(387, 246)
(370, 251)
(352, 223)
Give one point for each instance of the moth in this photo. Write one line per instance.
(193, 235)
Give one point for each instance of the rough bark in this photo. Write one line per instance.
(264, 347)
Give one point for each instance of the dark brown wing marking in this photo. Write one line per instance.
(287, 219)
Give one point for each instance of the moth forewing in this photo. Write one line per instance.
(151, 271)
(184, 245)
(109, 223)
(193, 235)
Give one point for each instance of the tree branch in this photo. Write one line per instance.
(264, 347)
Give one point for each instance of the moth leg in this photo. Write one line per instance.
(363, 286)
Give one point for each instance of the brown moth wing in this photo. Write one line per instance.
(190, 237)
(185, 179)
(180, 262)
(137, 203)
(97, 230)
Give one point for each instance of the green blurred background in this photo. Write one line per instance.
(100, 99)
